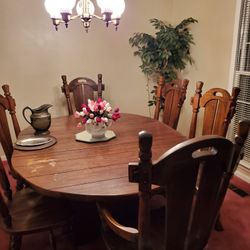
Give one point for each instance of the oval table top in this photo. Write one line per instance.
(90, 171)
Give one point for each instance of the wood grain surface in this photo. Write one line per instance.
(96, 171)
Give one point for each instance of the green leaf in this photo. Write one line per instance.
(166, 52)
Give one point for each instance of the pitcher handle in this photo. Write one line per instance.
(25, 115)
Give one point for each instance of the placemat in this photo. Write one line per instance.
(86, 137)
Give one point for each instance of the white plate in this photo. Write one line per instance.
(33, 141)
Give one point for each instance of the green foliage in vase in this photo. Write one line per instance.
(165, 53)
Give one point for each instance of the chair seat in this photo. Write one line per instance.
(114, 242)
(126, 213)
(39, 212)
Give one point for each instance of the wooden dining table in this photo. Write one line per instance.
(90, 171)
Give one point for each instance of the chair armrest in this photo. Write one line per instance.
(127, 233)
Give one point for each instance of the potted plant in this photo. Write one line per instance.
(166, 53)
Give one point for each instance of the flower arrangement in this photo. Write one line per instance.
(96, 112)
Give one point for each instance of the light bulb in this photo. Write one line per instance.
(91, 8)
(88, 9)
(53, 8)
(79, 8)
(118, 9)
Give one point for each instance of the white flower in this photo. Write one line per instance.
(105, 119)
(84, 111)
(109, 109)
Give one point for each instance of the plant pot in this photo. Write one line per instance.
(97, 130)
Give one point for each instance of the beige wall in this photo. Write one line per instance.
(213, 37)
(33, 55)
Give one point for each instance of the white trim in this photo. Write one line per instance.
(243, 174)
(246, 164)
(243, 102)
(244, 73)
(234, 45)
(234, 49)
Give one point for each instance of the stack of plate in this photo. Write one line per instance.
(35, 142)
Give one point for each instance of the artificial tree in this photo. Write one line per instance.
(165, 53)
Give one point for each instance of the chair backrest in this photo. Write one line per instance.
(7, 106)
(171, 96)
(82, 89)
(4, 182)
(219, 108)
(5, 185)
(5, 217)
(195, 175)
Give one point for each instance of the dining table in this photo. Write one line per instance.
(90, 171)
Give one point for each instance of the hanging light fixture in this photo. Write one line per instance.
(60, 11)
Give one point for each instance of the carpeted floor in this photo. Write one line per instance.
(235, 217)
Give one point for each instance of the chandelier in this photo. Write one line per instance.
(60, 11)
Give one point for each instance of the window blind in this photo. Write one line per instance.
(242, 75)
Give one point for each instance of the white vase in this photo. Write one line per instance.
(97, 130)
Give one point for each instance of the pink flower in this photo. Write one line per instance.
(95, 112)
(95, 107)
(115, 116)
(84, 120)
(98, 119)
(85, 110)
(102, 105)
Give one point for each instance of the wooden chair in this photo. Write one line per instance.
(27, 212)
(171, 96)
(219, 108)
(82, 89)
(195, 175)
(8, 105)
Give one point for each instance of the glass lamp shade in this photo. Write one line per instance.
(66, 6)
(100, 3)
(53, 8)
(85, 8)
(118, 9)
(106, 5)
